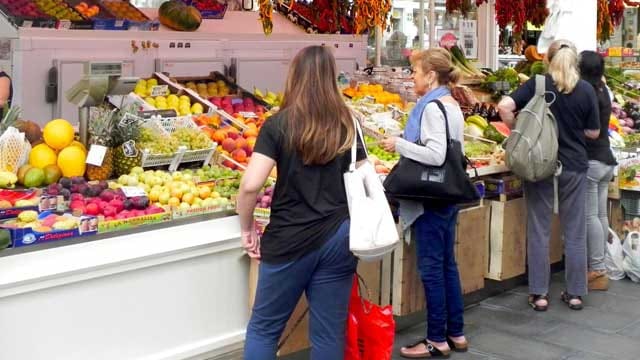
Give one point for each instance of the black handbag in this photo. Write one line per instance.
(449, 183)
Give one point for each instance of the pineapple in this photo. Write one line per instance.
(126, 153)
(100, 133)
(9, 118)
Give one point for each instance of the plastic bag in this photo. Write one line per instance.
(614, 257)
(370, 329)
(631, 248)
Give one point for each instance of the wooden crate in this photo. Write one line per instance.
(507, 245)
(472, 235)
(298, 336)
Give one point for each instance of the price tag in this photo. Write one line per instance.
(369, 99)
(162, 113)
(133, 191)
(615, 52)
(96, 155)
(119, 23)
(248, 114)
(27, 23)
(159, 90)
(64, 24)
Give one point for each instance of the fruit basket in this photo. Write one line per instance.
(165, 126)
(209, 9)
(25, 13)
(102, 18)
(67, 17)
(134, 18)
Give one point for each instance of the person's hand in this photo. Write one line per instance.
(389, 144)
(251, 243)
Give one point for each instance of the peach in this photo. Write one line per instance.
(219, 136)
(241, 143)
(251, 132)
(251, 141)
(229, 144)
(239, 155)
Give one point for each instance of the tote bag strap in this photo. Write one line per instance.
(354, 147)
(446, 118)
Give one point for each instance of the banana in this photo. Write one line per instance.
(477, 120)
(258, 93)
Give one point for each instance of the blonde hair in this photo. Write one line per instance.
(439, 61)
(320, 126)
(563, 65)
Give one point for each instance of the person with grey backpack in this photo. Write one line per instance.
(561, 115)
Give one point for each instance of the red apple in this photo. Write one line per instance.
(92, 209)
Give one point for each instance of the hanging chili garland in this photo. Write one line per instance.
(616, 10)
(632, 3)
(266, 13)
(480, 2)
(536, 11)
(370, 13)
(605, 25)
(511, 12)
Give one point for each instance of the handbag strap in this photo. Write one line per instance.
(354, 147)
(446, 118)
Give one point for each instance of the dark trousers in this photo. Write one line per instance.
(325, 276)
(572, 192)
(435, 240)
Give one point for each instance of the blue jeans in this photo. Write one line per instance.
(435, 240)
(326, 276)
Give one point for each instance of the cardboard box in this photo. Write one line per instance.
(31, 236)
(125, 224)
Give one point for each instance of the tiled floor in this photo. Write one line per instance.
(504, 327)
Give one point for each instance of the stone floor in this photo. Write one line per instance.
(505, 327)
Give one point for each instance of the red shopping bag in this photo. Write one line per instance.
(370, 329)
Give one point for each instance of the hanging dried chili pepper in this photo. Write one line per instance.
(536, 11)
(632, 3)
(266, 11)
(616, 10)
(605, 26)
(480, 2)
(370, 13)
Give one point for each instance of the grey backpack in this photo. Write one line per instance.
(532, 147)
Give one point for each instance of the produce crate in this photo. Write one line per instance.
(166, 126)
(215, 76)
(31, 236)
(472, 236)
(19, 17)
(104, 20)
(134, 18)
(206, 12)
(40, 203)
(503, 187)
(507, 245)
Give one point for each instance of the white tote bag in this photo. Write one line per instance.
(373, 232)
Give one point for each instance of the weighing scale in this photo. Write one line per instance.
(101, 79)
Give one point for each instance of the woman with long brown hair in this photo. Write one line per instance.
(305, 247)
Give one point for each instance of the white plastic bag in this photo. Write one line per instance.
(373, 232)
(631, 248)
(614, 257)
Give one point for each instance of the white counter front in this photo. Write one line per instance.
(172, 293)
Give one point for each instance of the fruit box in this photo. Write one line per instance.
(25, 14)
(125, 224)
(104, 20)
(509, 185)
(215, 76)
(124, 10)
(30, 236)
(44, 203)
(207, 8)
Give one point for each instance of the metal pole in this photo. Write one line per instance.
(83, 129)
(432, 23)
(421, 26)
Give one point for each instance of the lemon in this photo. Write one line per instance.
(42, 155)
(197, 109)
(72, 161)
(58, 134)
(151, 101)
(153, 82)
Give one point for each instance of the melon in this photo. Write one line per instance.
(58, 134)
(502, 128)
(72, 161)
(42, 155)
(175, 15)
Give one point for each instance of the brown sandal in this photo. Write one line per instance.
(432, 351)
(533, 302)
(458, 346)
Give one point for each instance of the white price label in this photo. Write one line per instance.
(64, 24)
(248, 114)
(119, 23)
(96, 155)
(159, 90)
(133, 191)
(27, 23)
(369, 99)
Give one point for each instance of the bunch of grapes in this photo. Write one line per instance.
(192, 139)
(157, 144)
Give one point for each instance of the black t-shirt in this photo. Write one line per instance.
(600, 149)
(574, 113)
(309, 202)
